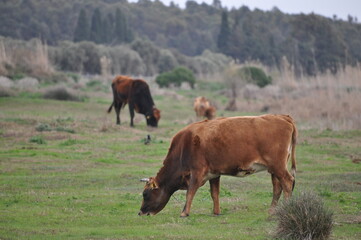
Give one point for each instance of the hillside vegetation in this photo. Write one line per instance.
(310, 43)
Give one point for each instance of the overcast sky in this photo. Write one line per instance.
(327, 8)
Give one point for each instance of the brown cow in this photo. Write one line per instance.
(235, 146)
(136, 93)
(203, 108)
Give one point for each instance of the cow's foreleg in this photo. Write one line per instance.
(214, 183)
(277, 190)
(195, 183)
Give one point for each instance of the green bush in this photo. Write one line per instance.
(176, 77)
(63, 129)
(42, 127)
(37, 139)
(303, 217)
(256, 76)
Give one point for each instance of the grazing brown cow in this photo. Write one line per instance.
(203, 108)
(235, 146)
(136, 93)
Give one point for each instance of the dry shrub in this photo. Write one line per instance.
(303, 217)
(6, 82)
(27, 83)
(326, 101)
(24, 57)
(6, 92)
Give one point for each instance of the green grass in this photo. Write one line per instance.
(84, 183)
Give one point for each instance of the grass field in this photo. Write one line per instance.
(68, 172)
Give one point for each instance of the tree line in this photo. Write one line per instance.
(310, 43)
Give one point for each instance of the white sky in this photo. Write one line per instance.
(327, 8)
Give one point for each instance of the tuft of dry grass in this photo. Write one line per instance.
(304, 217)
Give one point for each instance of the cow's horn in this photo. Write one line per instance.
(144, 180)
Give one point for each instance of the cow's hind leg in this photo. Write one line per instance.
(277, 190)
(214, 183)
(131, 112)
(286, 180)
(117, 107)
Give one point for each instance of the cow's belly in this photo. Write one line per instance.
(255, 167)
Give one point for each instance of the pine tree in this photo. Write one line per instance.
(96, 31)
(122, 32)
(120, 27)
(224, 34)
(82, 28)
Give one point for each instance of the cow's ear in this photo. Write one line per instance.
(144, 180)
(152, 183)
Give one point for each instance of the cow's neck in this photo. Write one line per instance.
(169, 178)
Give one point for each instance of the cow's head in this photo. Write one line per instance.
(154, 198)
(153, 118)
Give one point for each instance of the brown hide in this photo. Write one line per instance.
(236, 146)
(203, 108)
(136, 94)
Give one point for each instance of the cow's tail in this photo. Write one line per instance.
(114, 96)
(293, 154)
(111, 106)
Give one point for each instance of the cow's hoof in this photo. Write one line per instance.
(184, 215)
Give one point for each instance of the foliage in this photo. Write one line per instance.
(43, 127)
(304, 217)
(82, 28)
(224, 34)
(39, 139)
(176, 77)
(311, 43)
(255, 75)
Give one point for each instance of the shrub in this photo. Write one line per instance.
(60, 93)
(42, 127)
(303, 217)
(256, 76)
(37, 139)
(176, 77)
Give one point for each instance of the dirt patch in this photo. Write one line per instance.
(350, 219)
(357, 160)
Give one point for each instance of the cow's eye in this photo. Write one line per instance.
(146, 194)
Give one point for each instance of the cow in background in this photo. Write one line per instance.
(203, 108)
(234, 146)
(136, 94)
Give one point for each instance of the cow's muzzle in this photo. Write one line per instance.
(142, 213)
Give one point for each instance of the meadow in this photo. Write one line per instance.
(67, 171)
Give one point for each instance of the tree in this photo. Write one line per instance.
(96, 31)
(122, 31)
(217, 4)
(224, 34)
(82, 28)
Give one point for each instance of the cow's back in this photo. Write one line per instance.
(122, 85)
(236, 142)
